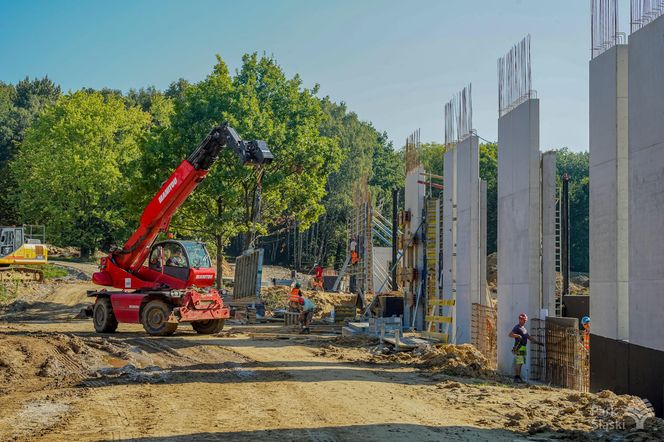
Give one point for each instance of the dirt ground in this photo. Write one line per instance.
(59, 381)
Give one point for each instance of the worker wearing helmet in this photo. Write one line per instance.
(294, 298)
(585, 333)
(521, 338)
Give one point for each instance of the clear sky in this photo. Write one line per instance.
(395, 63)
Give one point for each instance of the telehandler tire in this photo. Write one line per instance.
(154, 318)
(209, 327)
(103, 317)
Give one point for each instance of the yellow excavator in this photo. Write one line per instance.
(21, 246)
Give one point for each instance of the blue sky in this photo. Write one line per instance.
(395, 63)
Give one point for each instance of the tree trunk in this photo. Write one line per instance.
(220, 260)
(219, 243)
(86, 252)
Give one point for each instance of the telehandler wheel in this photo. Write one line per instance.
(155, 319)
(209, 327)
(103, 316)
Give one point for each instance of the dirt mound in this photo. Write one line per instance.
(55, 300)
(277, 298)
(36, 360)
(454, 360)
(63, 252)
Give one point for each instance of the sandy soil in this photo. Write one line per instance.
(59, 381)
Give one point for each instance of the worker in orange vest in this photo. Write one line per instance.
(294, 298)
(317, 283)
(354, 256)
(585, 333)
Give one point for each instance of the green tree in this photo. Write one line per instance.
(489, 173)
(261, 103)
(76, 167)
(19, 106)
(576, 166)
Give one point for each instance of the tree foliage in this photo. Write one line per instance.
(76, 166)
(261, 103)
(19, 107)
(576, 165)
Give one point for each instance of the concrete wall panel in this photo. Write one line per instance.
(646, 185)
(449, 227)
(414, 201)
(609, 248)
(519, 223)
(468, 241)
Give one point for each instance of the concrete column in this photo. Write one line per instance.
(549, 232)
(609, 246)
(414, 201)
(646, 186)
(519, 223)
(449, 230)
(482, 244)
(468, 233)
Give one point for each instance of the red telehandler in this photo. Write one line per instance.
(160, 284)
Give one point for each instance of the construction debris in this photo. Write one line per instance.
(276, 298)
(454, 360)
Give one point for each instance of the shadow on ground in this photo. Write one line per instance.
(376, 432)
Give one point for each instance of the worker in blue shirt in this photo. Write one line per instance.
(307, 307)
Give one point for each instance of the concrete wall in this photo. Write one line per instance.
(609, 246)
(518, 223)
(449, 230)
(414, 201)
(381, 258)
(482, 245)
(468, 241)
(646, 185)
(549, 232)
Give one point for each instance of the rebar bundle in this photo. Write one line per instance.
(412, 151)
(604, 26)
(514, 77)
(459, 116)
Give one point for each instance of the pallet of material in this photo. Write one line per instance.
(344, 311)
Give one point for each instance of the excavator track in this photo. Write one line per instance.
(21, 274)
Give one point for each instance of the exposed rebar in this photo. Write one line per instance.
(514, 77)
(604, 26)
(643, 12)
(459, 116)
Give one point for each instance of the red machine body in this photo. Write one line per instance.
(165, 283)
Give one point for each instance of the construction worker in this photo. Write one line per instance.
(521, 338)
(294, 298)
(176, 259)
(307, 308)
(317, 283)
(585, 333)
(354, 257)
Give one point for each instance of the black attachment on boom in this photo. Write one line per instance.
(249, 152)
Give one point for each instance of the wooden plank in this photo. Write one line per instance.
(293, 336)
(439, 319)
(443, 337)
(442, 302)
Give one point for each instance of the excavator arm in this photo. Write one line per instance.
(175, 190)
